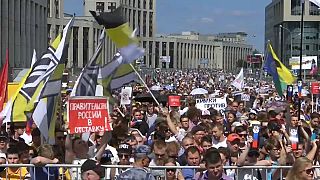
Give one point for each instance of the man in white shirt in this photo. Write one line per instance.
(218, 140)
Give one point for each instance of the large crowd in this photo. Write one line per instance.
(147, 134)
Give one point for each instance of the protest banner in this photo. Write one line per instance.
(88, 114)
(126, 94)
(215, 103)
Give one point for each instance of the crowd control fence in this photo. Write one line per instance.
(238, 173)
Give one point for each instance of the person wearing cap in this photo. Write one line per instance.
(91, 170)
(233, 141)
(124, 154)
(142, 156)
(206, 116)
(252, 115)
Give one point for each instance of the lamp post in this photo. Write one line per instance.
(290, 38)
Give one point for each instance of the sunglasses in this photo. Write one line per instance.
(242, 135)
(126, 156)
(309, 171)
(174, 157)
(172, 170)
(159, 155)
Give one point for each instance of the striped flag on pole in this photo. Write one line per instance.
(87, 81)
(47, 98)
(126, 41)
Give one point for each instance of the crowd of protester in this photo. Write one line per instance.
(146, 135)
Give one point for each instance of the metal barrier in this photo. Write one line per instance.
(240, 173)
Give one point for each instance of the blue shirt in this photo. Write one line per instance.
(42, 173)
(188, 173)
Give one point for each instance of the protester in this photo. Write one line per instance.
(301, 170)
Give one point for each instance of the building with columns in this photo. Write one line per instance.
(192, 50)
(23, 28)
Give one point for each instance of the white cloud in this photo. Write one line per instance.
(206, 20)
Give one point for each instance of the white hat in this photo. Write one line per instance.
(236, 124)
(252, 111)
(205, 113)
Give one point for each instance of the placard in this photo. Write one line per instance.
(215, 103)
(245, 97)
(88, 114)
(315, 88)
(126, 94)
(174, 101)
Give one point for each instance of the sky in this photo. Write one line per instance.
(204, 16)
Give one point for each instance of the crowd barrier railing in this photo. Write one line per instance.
(250, 171)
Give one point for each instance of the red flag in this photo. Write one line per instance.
(4, 81)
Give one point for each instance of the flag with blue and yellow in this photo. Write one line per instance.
(280, 73)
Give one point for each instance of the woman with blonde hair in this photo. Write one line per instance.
(301, 170)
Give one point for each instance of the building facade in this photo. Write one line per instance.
(186, 50)
(84, 36)
(23, 28)
(192, 50)
(282, 28)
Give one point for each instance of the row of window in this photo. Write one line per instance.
(296, 8)
(111, 6)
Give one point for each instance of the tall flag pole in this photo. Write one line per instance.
(299, 82)
(4, 81)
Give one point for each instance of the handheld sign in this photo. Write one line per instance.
(88, 114)
(255, 134)
(294, 138)
(289, 93)
(126, 96)
(174, 101)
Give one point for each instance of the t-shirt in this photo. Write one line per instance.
(42, 173)
(135, 174)
(217, 144)
(20, 173)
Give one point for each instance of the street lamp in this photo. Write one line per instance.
(290, 38)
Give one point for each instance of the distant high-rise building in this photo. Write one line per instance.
(23, 27)
(282, 28)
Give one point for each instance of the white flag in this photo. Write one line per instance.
(239, 81)
(316, 2)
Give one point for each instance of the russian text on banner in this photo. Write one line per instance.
(88, 114)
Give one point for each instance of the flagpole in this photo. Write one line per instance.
(264, 60)
(300, 67)
(144, 83)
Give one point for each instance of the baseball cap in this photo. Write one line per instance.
(253, 111)
(92, 165)
(232, 137)
(124, 148)
(205, 113)
(106, 156)
(143, 150)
